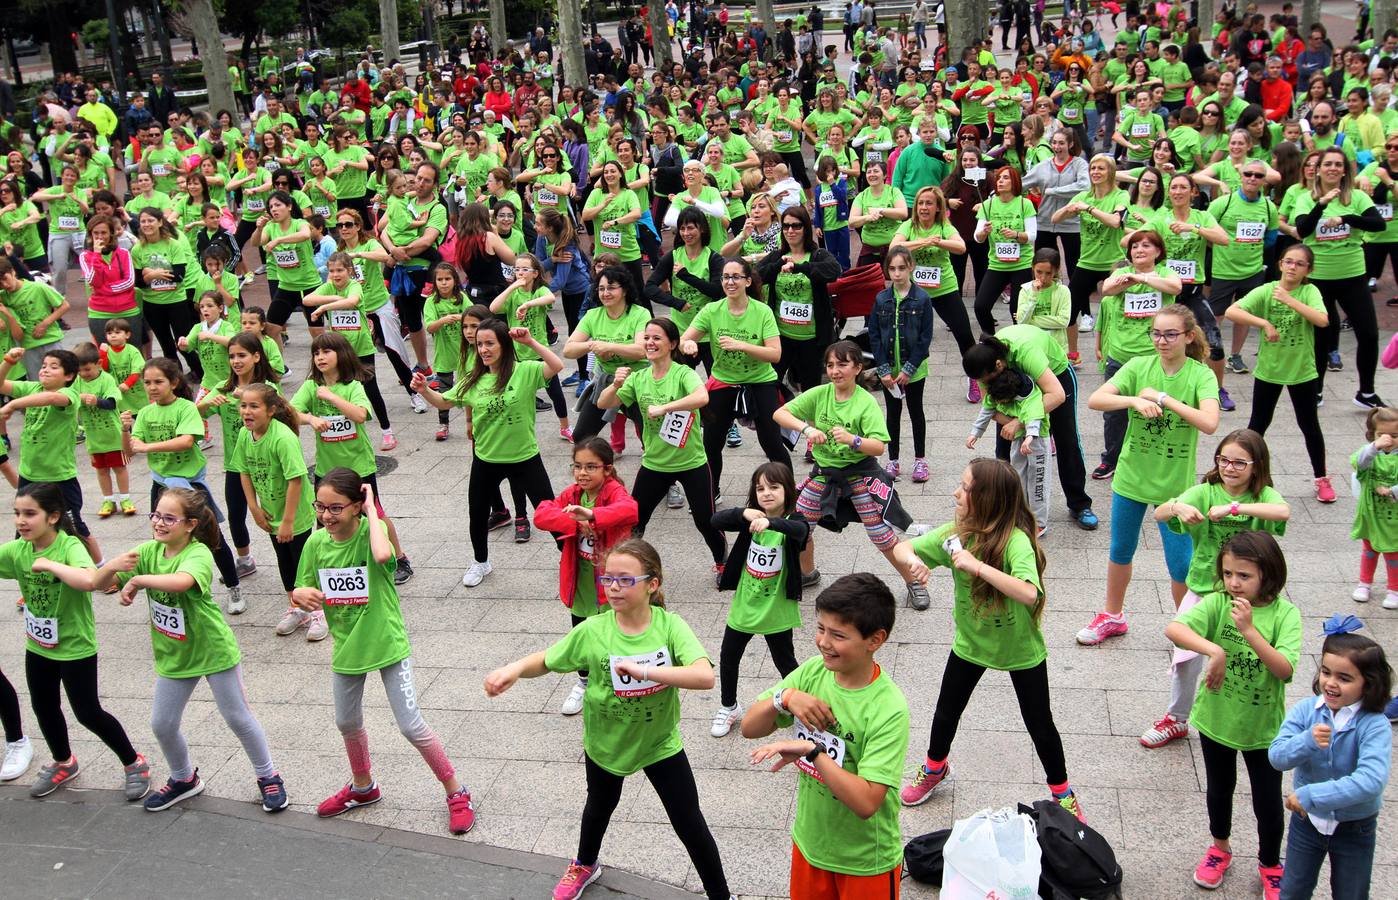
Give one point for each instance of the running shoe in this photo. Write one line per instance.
(1333, 361)
(18, 755)
(718, 576)
(1086, 323)
(1391, 710)
(390, 442)
(583, 385)
(244, 565)
(461, 815)
(1100, 628)
(1361, 593)
(1069, 801)
(1086, 519)
(573, 703)
(1075, 360)
(425, 371)
(1104, 470)
(893, 469)
(973, 391)
(735, 438)
(1271, 881)
(918, 598)
(725, 719)
(570, 380)
(106, 509)
(346, 799)
(419, 405)
(499, 519)
(1225, 402)
(174, 792)
(260, 270)
(52, 776)
(1164, 731)
(565, 434)
(1390, 600)
(920, 471)
(924, 781)
(294, 619)
(404, 572)
(576, 880)
(1324, 491)
(273, 791)
(128, 508)
(1368, 401)
(319, 627)
(443, 431)
(522, 533)
(674, 497)
(1209, 873)
(476, 574)
(206, 444)
(811, 578)
(1236, 365)
(236, 604)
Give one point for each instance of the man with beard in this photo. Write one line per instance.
(1323, 133)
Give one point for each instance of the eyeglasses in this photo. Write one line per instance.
(335, 509)
(1168, 337)
(1224, 462)
(624, 581)
(1210, 112)
(585, 467)
(729, 277)
(165, 520)
(1254, 174)
(790, 225)
(344, 224)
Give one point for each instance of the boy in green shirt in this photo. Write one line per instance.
(100, 398)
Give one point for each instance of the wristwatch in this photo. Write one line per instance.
(818, 749)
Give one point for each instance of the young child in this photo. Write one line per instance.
(46, 442)
(849, 726)
(219, 279)
(832, 200)
(442, 316)
(339, 304)
(61, 638)
(1376, 516)
(631, 715)
(527, 302)
(1252, 639)
(124, 362)
(1236, 495)
(899, 340)
(997, 570)
(1045, 302)
(345, 576)
(100, 397)
(209, 340)
(1340, 745)
(1024, 424)
(254, 321)
(190, 641)
(591, 516)
(332, 401)
(761, 570)
(268, 458)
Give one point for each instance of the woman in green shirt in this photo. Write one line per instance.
(616, 209)
(1007, 224)
(285, 240)
(876, 213)
(161, 259)
(68, 207)
(796, 277)
(1101, 210)
(19, 225)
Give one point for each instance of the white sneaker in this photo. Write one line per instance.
(1361, 594)
(476, 574)
(573, 705)
(245, 565)
(319, 629)
(674, 498)
(18, 755)
(725, 719)
(1086, 324)
(294, 619)
(1390, 600)
(236, 604)
(419, 404)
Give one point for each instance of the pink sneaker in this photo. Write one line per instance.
(576, 879)
(346, 799)
(923, 784)
(973, 391)
(893, 469)
(389, 441)
(1102, 627)
(1209, 873)
(565, 433)
(920, 472)
(1164, 731)
(463, 815)
(1271, 881)
(1324, 492)
(1069, 801)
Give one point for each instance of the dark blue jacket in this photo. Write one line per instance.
(913, 319)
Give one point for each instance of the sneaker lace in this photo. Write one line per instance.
(1164, 724)
(575, 872)
(1212, 860)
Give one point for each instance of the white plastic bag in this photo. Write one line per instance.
(991, 856)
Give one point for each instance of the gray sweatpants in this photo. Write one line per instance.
(167, 709)
(402, 699)
(1035, 474)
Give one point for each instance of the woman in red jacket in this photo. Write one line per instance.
(111, 281)
(497, 99)
(591, 516)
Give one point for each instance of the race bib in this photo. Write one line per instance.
(764, 562)
(1332, 232)
(1187, 269)
(873, 156)
(548, 198)
(1069, 113)
(358, 272)
(322, 211)
(783, 136)
(1385, 210)
(159, 170)
(610, 239)
(69, 223)
(827, 198)
(344, 320)
(508, 272)
(1249, 232)
(256, 204)
(345, 587)
(341, 428)
(834, 748)
(161, 284)
(1142, 305)
(675, 427)
(1007, 251)
(168, 620)
(927, 277)
(626, 686)
(794, 312)
(285, 259)
(586, 548)
(1140, 129)
(975, 173)
(41, 631)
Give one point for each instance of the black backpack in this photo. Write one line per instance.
(923, 857)
(1078, 863)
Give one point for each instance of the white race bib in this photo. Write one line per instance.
(345, 587)
(783, 136)
(168, 620)
(322, 211)
(69, 223)
(43, 632)
(547, 197)
(342, 428)
(927, 277)
(1249, 232)
(159, 170)
(162, 285)
(344, 320)
(358, 272)
(1140, 129)
(1385, 210)
(1187, 269)
(1142, 305)
(834, 748)
(256, 204)
(1069, 113)
(975, 173)
(285, 259)
(827, 198)
(626, 686)
(764, 562)
(610, 239)
(1332, 232)
(873, 156)
(1007, 251)
(508, 272)
(794, 312)
(675, 427)
(586, 548)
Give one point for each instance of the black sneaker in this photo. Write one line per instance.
(1103, 471)
(498, 519)
(403, 572)
(542, 403)
(1368, 401)
(811, 578)
(174, 792)
(1333, 363)
(274, 798)
(522, 531)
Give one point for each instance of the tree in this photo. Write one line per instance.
(498, 34)
(660, 32)
(570, 43)
(346, 28)
(388, 29)
(199, 17)
(768, 14)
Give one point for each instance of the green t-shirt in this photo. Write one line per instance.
(361, 603)
(1210, 536)
(255, 205)
(1247, 710)
(49, 435)
(1184, 252)
(352, 324)
(446, 341)
(1125, 319)
(212, 354)
(163, 254)
(1009, 104)
(877, 233)
(1188, 147)
(1173, 73)
(585, 585)
(599, 326)
(786, 138)
(859, 415)
(1101, 246)
(31, 303)
(972, 111)
(350, 182)
(295, 262)
(760, 604)
(1157, 457)
(503, 421)
(1142, 131)
(755, 326)
(1376, 517)
(25, 238)
(103, 426)
(368, 274)
(1389, 235)
(345, 442)
(869, 739)
(188, 635)
(1007, 254)
(122, 364)
(64, 214)
(627, 724)
(155, 424)
(792, 298)
(1290, 359)
(57, 618)
(1339, 252)
(932, 269)
(681, 289)
(620, 239)
(1246, 223)
(272, 462)
(535, 318)
(673, 442)
(231, 420)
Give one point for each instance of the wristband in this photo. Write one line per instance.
(854, 444)
(777, 702)
(817, 749)
(1160, 400)
(1233, 509)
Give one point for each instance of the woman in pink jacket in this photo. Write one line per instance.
(111, 281)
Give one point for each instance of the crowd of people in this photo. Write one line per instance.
(501, 236)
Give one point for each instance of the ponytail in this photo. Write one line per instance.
(195, 507)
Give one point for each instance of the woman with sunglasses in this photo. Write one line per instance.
(552, 184)
(1007, 225)
(797, 276)
(1377, 179)
(348, 164)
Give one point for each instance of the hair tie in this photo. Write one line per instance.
(1338, 624)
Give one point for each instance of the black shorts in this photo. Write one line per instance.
(285, 301)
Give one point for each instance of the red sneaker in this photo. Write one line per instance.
(462, 814)
(346, 799)
(1324, 492)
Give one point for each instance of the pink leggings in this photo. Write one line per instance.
(1369, 563)
(865, 506)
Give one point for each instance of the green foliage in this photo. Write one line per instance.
(97, 35)
(521, 16)
(278, 19)
(346, 28)
(409, 18)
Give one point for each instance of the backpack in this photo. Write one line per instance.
(1078, 863)
(923, 856)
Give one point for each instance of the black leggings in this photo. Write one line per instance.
(289, 555)
(796, 162)
(1071, 249)
(980, 260)
(1352, 295)
(730, 656)
(554, 389)
(572, 303)
(673, 781)
(410, 306)
(1377, 255)
(169, 322)
(894, 418)
(1031, 690)
(1264, 403)
(9, 711)
(1063, 425)
(79, 680)
(988, 293)
(802, 358)
(650, 488)
(237, 503)
(483, 492)
(951, 309)
(223, 557)
(1081, 286)
(371, 390)
(720, 414)
(1221, 777)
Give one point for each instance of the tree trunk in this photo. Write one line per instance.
(214, 61)
(117, 57)
(498, 35)
(1310, 15)
(162, 36)
(965, 22)
(388, 29)
(1206, 23)
(1381, 17)
(660, 32)
(147, 33)
(768, 14)
(570, 45)
(61, 54)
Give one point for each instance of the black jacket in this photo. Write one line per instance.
(821, 268)
(795, 532)
(710, 287)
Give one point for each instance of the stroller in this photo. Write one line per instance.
(852, 296)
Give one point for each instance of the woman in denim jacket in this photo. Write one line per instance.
(900, 333)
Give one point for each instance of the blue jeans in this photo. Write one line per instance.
(1351, 852)
(1127, 515)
